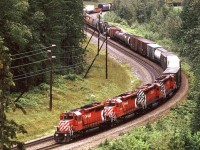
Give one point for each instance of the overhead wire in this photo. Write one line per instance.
(31, 75)
(29, 55)
(30, 63)
(70, 51)
(31, 72)
(31, 51)
(44, 71)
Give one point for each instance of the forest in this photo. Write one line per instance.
(177, 29)
(28, 29)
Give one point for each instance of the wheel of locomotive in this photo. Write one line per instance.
(103, 126)
(58, 139)
(67, 139)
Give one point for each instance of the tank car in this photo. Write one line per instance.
(123, 37)
(111, 31)
(105, 7)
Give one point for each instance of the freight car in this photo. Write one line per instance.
(105, 7)
(75, 122)
(151, 50)
(142, 45)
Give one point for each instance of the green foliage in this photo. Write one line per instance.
(178, 31)
(190, 45)
(31, 25)
(8, 128)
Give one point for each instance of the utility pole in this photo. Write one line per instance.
(99, 47)
(106, 56)
(51, 75)
(99, 32)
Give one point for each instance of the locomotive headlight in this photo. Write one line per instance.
(65, 134)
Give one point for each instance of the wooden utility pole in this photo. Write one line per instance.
(106, 56)
(51, 75)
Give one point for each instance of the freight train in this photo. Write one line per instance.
(75, 122)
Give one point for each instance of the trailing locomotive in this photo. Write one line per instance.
(75, 122)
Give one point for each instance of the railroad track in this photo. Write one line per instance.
(99, 136)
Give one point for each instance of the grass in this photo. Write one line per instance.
(70, 94)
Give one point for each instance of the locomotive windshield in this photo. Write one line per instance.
(110, 104)
(66, 116)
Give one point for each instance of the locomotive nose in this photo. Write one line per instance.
(64, 126)
(108, 112)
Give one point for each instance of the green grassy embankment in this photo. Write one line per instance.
(71, 92)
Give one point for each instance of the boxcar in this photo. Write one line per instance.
(134, 42)
(169, 59)
(176, 72)
(157, 54)
(151, 50)
(142, 45)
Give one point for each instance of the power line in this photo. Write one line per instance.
(31, 75)
(44, 72)
(30, 55)
(41, 70)
(69, 57)
(63, 52)
(29, 63)
(63, 69)
(31, 51)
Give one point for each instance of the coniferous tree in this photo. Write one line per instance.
(8, 128)
(189, 39)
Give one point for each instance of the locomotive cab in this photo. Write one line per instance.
(113, 109)
(69, 122)
(77, 120)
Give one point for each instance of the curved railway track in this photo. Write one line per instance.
(94, 136)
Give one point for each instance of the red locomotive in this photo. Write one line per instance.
(120, 106)
(75, 122)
